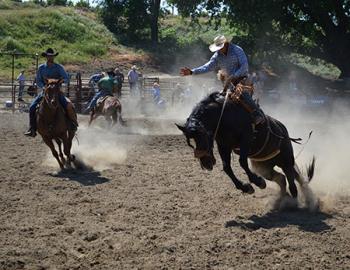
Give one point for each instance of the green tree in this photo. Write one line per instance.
(317, 28)
(132, 18)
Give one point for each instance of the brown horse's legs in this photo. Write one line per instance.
(53, 150)
(92, 116)
(59, 143)
(66, 148)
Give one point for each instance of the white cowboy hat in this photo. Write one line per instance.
(218, 44)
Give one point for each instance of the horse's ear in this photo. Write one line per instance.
(46, 81)
(60, 81)
(182, 128)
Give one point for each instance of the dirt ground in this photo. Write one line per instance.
(149, 205)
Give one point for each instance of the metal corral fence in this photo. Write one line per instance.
(80, 92)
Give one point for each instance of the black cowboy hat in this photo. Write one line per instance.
(49, 52)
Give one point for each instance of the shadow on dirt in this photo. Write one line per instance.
(82, 174)
(303, 219)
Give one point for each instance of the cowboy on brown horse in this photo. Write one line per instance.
(52, 123)
(50, 70)
(104, 103)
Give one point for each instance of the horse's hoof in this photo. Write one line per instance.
(260, 182)
(247, 188)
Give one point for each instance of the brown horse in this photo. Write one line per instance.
(111, 108)
(52, 123)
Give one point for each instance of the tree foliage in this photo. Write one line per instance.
(317, 28)
(131, 18)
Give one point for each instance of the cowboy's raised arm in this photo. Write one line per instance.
(243, 62)
(210, 66)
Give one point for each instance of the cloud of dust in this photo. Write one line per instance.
(328, 143)
(99, 147)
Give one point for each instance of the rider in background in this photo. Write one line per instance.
(50, 70)
(231, 59)
(93, 80)
(106, 87)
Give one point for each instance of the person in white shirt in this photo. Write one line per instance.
(21, 81)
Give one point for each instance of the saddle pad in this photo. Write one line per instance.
(102, 99)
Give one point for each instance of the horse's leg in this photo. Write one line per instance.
(93, 116)
(290, 173)
(66, 149)
(115, 118)
(243, 161)
(225, 154)
(59, 143)
(266, 170)
(53, 151)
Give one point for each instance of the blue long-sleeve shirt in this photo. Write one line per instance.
(234, 63)
(55, 71)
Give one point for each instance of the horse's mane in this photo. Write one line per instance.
(198, 110)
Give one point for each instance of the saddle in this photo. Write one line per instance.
(102, 99)
(235, 94)
(267, 140)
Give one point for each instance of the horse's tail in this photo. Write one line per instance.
(310, 170)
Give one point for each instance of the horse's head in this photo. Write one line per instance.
(194, 129)
(51, 91)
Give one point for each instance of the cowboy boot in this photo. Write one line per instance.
(32, 125)
(72, 117)
(249, 104)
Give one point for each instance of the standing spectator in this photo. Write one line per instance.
(156, 93)
(133, 78)
(21, 80)
(119, 79)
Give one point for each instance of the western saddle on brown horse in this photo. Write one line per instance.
(52, 123)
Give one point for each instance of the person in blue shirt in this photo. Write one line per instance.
(231, 59)
(93, 80)
(156, 93)
(50, 70)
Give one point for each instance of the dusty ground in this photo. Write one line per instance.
(151, 207)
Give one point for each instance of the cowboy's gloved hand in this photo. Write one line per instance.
(185, 71)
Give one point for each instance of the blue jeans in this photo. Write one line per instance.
(99, 94)
(20, 91)
(36, 102)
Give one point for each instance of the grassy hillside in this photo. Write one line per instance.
(29, 28)
(86, 44)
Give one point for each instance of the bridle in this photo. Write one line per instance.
(47, 98)
(200, 153)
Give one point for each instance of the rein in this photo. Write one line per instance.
(222, 113)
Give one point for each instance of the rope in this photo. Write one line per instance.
(222, 112)
(302, 149)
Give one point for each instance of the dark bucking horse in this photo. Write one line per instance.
(110, 107)
(53, 125)
(268, 145)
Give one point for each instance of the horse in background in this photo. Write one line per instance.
(109, 107)
(52, 123)
(266, 145)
